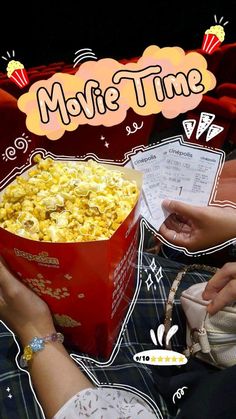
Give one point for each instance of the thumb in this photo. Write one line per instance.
(180, 208)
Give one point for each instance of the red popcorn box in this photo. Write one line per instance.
(210, 43)
(88, 286)
(20, 77)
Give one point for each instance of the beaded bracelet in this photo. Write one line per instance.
(38, 344)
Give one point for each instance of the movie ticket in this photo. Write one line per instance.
(178, 171)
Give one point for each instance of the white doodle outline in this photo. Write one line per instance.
(179, 393)
(20, 143)
(88, 54)
(208, 128)
(135, 126)
(168, 356)
(77, 358)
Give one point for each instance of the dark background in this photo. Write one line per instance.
(45, 32)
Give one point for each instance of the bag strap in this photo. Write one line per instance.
(173, 290)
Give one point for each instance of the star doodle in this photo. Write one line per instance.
(149, 282)
(159, 275)
(153, 265)
(106, 144)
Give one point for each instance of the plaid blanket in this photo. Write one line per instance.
(146, 311)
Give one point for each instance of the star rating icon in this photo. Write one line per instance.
(166, 359)
(160, 357)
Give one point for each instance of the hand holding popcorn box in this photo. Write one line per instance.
(70, 231)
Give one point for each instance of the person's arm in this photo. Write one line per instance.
(198, 228)
(55, 376)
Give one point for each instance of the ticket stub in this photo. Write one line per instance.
(178, 171)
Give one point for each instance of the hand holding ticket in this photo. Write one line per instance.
(177, 171)
(197, 228)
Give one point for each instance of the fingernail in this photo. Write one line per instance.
(210, 308)
(208, 294)
(166, 203)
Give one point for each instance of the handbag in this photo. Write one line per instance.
(211, 338)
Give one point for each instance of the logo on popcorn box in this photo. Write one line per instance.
(163, 80)
(42, 258)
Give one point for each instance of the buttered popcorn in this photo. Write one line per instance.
(67, 202)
